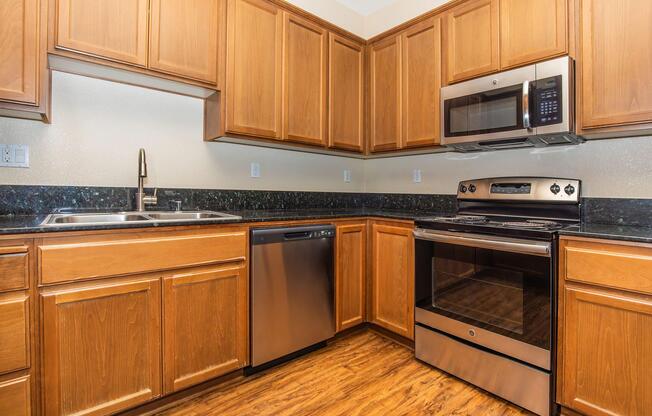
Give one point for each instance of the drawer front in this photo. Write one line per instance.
(15, 397)
(612, 265)
(65, 261)
(14, 333)
(14, 267)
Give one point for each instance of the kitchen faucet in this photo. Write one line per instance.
(143, 199)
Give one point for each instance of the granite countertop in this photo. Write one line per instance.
(637, 234)
(23, 224)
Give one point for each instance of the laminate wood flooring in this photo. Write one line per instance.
(362, 374)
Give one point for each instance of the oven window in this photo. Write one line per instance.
(506, 293)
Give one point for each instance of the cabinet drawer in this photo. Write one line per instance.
(70, 260)
(14, 333)
(15, 397)
(612, 265)
(14, 267)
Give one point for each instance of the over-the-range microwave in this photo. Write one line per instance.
(532, 106)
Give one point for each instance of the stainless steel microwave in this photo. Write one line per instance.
(532, 106)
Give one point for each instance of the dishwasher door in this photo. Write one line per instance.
(292, 290)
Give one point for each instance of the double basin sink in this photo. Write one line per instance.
(109, 218)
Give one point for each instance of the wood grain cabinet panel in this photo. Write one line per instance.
(615, 60)
(101, 349)
(14, 267)
(385, 62)
(14, 332)
(350, 275)
(184, 38)
(607, 353)
(532, 30)
(19, 46)
(305, 80)
(392, 275)
(346, 94)
(254, 68)
(15, 397)
(472, 39)
(205, 318)
(421, 47)
(112, 29)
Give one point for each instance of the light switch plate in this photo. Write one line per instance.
(416, 175)
(14, 156)
(255, 170)
(347, 175)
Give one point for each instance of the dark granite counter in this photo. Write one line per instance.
(637, 234)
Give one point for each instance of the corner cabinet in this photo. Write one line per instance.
(605, 327)
(385, 100)
(350, 274)
(392, 277)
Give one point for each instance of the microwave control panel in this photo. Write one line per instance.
(548, 101)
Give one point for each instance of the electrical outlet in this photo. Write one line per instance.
(14, 156)
(347, 175)
(416, 175)
(255, 170)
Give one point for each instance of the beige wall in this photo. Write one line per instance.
(98, 126)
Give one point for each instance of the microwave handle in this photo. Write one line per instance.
(527, 124)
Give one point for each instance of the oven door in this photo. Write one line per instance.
(490, 291)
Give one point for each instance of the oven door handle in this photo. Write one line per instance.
(512, 245)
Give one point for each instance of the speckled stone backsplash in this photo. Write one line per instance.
(617, 211)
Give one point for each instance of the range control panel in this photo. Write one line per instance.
(547, 101)
(521, 189)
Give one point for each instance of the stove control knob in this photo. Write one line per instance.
(569, 189)
(555, 189)
(471, 188)
(463, 188)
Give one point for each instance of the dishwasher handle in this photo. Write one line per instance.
(301, 235)
(287, 234)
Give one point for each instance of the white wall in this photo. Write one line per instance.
(334, 12)
(98, 126)
(395, 14)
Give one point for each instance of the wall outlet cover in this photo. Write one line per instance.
(416, 175)
(347, 175)
(14, 156)
(255, 170)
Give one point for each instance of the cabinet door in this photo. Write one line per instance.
(421, 84)
(184, 38)
(393, 278)
(254, 43)
(350, 260)
(346, 94)
(101, 347)
(19, 50)
(386, 94)
(607, 352)
(472, 40)
(15, 397)
(532, 30)
(113, 29)
(14, 332)
(616, 57)
(205, 325)
(304, 81)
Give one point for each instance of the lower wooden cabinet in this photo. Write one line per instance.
(101, 347)
(392, 277)
(15, 397)
(14, 332)
(350, 275)
(205, 319)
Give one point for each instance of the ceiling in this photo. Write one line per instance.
(366, 7)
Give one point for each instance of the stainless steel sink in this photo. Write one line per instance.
(108, 218)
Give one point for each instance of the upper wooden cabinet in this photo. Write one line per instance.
(254, 68)
(346, 94)
(350, 275)
(472, 39)
(615, 57)
(113, 29)
(305, 81)
(532, 30)
(184, 38)
(385, 100)
(421, 46)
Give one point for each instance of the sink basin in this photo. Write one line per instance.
(62, 220)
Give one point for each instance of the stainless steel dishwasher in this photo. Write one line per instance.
(291, 290)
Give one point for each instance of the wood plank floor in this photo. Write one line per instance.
(363, 374)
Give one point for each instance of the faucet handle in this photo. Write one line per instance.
(176, 205)
(150, 199)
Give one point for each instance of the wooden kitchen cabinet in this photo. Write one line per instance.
(254, 68)
(14, 332)
(350, 274)
(305, 80)
(14, 266)
(184, 38)
(614, 61)
(385, 100)
(346, 94)
(15, 397)
(421, 48)
(472, 40)
(532, 30)
(112, 29)
(392, 277)
(205, 318)
(101, 349)
(605, 327)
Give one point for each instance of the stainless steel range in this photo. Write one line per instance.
(485, 285)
